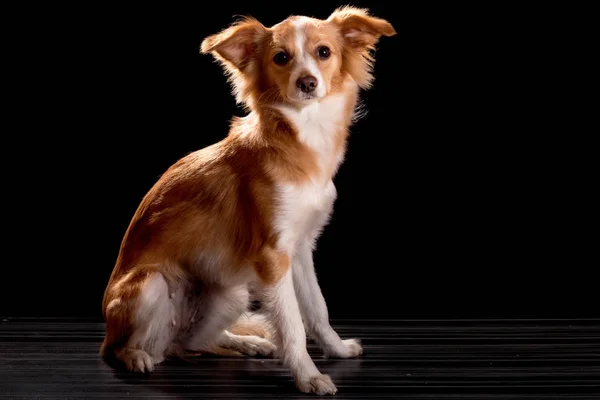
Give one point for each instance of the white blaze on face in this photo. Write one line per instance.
(305, 62)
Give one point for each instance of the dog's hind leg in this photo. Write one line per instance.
(140, 321)
(218, 309)
(246, 344)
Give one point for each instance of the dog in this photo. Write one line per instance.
(243, 215)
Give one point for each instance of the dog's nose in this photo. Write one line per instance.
(307, 84)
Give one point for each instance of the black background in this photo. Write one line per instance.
(462, 194)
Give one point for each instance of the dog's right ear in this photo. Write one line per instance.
(235, 45)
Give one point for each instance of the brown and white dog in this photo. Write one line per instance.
(245, 212)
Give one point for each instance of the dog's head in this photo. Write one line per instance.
(300, 59)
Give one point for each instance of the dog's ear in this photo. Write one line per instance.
(235, 45)
(360, 30)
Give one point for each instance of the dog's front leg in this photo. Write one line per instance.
(281, 306)
(314, 309)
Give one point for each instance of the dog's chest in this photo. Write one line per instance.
(319, 126)
(302, 212)
(304, 208)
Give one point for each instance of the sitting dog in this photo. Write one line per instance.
(244, 214)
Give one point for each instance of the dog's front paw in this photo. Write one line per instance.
(318, 384)
(349, 348)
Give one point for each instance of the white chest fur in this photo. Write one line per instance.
(305, 208)
(317, 125)
(302, 212)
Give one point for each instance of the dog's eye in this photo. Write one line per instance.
(324, 52)
(281, 58)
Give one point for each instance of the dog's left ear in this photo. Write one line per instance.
(360, 30)
(235, 45)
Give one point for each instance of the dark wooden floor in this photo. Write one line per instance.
(466, 359)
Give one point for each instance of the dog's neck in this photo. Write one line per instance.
(321, 125)
(301, 142)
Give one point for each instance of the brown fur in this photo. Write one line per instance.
(223, 197)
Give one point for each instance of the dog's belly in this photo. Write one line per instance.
(302, 212)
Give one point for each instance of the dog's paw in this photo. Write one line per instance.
(257, 346)
(349, 348)
(318, 384)
(137, 361)
(353, 348)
